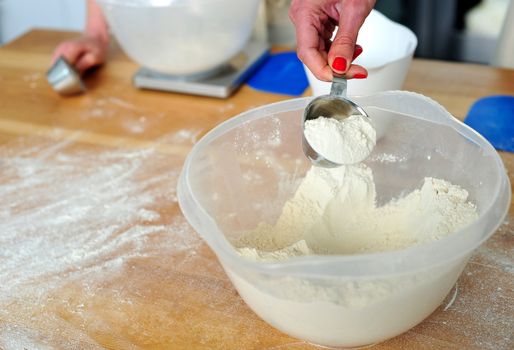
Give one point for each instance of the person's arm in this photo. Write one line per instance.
(315, 22)
(90, 49)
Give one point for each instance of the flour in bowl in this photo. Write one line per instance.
(335, 211)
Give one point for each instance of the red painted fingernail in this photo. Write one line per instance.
(357, 52)
(339, 64)
(360, 76)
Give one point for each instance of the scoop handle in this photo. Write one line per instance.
(338, 88)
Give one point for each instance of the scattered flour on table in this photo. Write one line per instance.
(66, 211)
(346, 141)
(75, 218)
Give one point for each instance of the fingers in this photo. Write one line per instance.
(352, 16)
(86, 61)
(315, 24)
(70, 50)
(357, 72)
(313, 31)
(316, 62)
(83, 53)
(356, 53)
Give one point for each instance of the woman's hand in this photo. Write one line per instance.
(315, 22)
(90, 49)
(83, 53)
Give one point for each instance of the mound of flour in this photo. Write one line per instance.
(334, 211)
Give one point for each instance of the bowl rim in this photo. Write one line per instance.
(367, 265)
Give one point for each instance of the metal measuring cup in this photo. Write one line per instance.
(335, 105)
(64, 78)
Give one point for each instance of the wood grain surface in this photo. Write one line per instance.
(151, 283)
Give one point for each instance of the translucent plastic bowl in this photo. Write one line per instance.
(181, 37)
(242, 172)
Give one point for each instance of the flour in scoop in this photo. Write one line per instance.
(346, 141)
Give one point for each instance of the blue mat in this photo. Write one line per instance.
(282, 73)
(493, 117)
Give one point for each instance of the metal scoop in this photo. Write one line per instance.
(64, 78)
(336, 106)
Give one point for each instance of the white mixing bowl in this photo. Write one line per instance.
(388, 50)
(181, 37)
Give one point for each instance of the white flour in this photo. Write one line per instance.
(72, 218)
(334, 212)
(348, 141)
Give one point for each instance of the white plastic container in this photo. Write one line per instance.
(181, 37)
(388, 50)
(243, 171)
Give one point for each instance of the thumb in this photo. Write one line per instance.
(86, 61)
(341, 53)
(69, 50)
(352, 16)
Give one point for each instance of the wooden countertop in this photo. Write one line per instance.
(94, 252)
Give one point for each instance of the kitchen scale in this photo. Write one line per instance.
(218, 82)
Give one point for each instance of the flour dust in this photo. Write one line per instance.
(71, 219)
